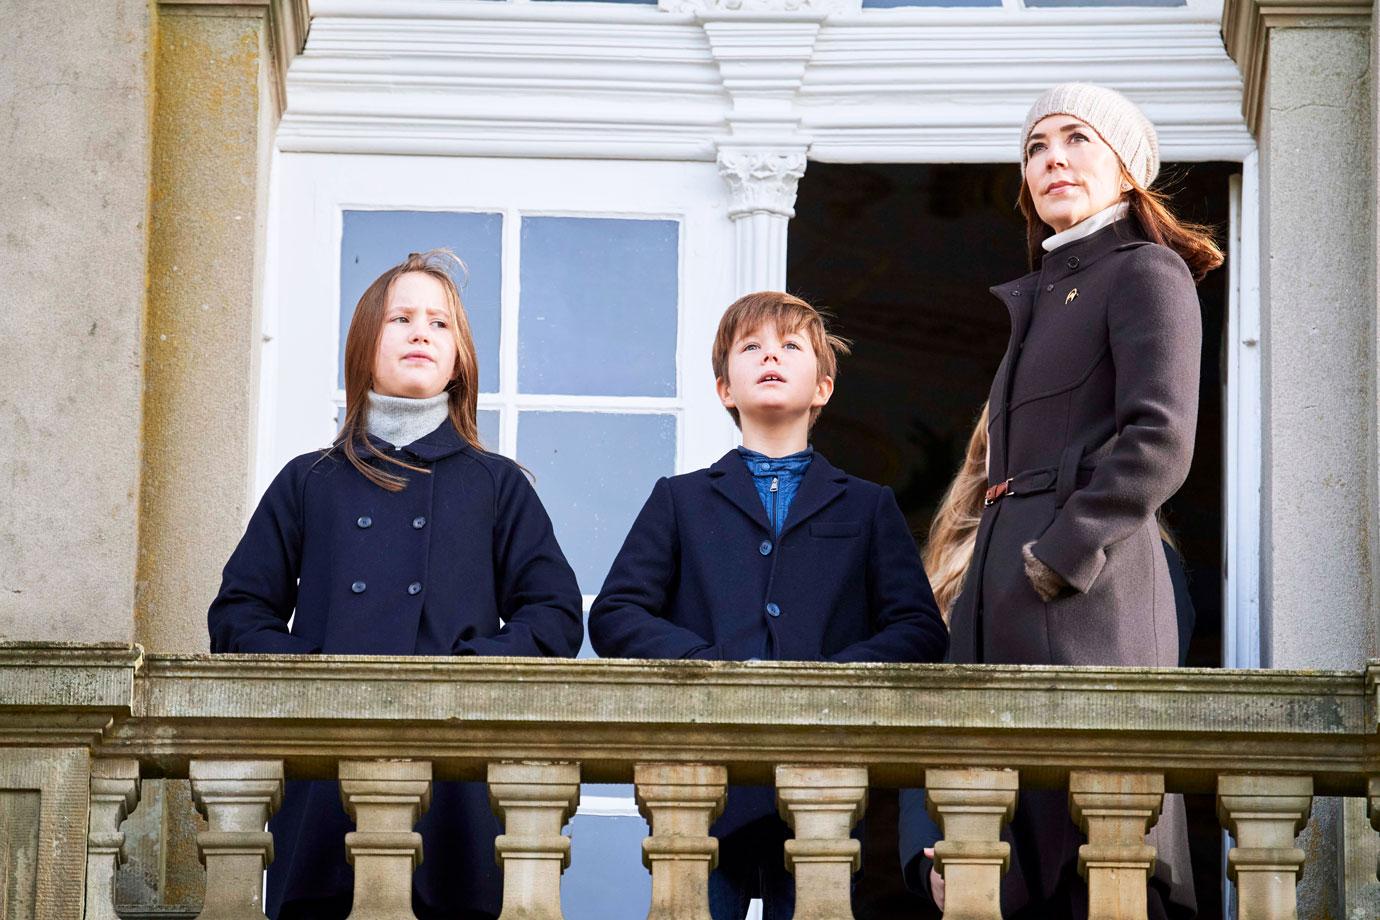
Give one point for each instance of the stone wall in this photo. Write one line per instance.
(74, 92)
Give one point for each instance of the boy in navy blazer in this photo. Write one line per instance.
(771, 553)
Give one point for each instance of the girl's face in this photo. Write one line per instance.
(1070, 171)
(416, 351)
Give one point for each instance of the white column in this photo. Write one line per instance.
(762, 184)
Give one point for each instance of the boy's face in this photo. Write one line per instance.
(773, 377)
(416, 350)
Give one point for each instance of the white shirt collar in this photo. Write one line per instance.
(1087, 226)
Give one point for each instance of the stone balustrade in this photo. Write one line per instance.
(80, 726)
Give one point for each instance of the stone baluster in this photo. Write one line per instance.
(1116, 811)
(385, 799)
(680, 801)
(821, 804)
(1373, 789)
(1264, 814)
(237, 797)
(971, 806)
(114, 793)
(535, 801)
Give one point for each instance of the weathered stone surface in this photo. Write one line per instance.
(1264, 814)
(535, 800)
(74, 80)
(44, 809)
(385, 799)
(894, 718)
(212, 142)
(971, 806)
(680, 801)
(237, 797)
(114, 792)
(1116, 811)
(821, 804)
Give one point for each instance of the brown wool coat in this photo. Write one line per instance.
(1092, 415)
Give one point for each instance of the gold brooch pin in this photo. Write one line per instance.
(1073, 295)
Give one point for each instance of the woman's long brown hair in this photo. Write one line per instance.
(1193, 242)
(953, 531)
(361, 346)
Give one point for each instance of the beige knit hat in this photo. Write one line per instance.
(1114, 117)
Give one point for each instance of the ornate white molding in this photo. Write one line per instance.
(734, 8)
(607, 81)
(1246, 26)
(761, 181)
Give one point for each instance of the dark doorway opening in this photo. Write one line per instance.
(903, 255)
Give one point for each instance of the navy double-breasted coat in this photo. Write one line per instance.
(429, 570)
(701, 575)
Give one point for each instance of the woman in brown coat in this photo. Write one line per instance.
(1091, 423)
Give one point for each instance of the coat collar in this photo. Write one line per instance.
(1069, 260)
(821, 485)
(443, 442)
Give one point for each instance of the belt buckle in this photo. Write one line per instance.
(996, 492)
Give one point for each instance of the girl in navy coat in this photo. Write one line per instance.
(404, 538)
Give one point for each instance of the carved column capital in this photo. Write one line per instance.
(237, 797)
(821, 804)
(761, 181)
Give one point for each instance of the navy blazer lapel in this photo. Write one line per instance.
(731, 479)
(822, 485)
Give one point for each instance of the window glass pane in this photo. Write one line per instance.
(594, 471)
(374, 241)
(598, 313)
(606, 878)
(488, 429)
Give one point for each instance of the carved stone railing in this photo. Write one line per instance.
(81, 725)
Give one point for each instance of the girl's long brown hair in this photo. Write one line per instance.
(953, 531)
(361, 346)
(1193, 242)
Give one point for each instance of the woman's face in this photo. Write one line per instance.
(1070, 171)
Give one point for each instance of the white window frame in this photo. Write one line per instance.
(315, 190)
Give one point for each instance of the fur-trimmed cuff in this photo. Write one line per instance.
(1046, 582)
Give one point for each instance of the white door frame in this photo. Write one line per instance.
(768, 83)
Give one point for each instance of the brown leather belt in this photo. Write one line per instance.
(1031, 482)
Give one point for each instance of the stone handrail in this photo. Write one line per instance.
(1116, 738)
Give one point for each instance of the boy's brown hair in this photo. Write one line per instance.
(788, 314)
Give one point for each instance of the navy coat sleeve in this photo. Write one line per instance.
(627, 620)
(906, 621)
(538, 596)
(258, 589)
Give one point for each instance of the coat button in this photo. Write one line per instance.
(1049, 287)
(418, 523)
(1072, 262)
(765, 548)
(773, 610)
(358, 587)
(414, 588)
(365, 521)
(1015, 293)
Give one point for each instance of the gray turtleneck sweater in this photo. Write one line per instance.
(400, 420)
